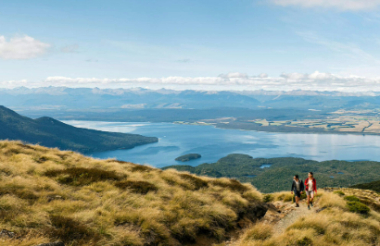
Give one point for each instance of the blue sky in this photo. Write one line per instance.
(130, 39)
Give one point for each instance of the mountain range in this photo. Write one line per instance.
(64, 98)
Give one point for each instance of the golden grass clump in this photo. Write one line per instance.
(48, 195)
(332, 200)
(284, 196)
(259, 231)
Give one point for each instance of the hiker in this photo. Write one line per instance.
(311, 189)
(297, 188)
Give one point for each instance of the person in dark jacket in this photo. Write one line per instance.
(297, 188)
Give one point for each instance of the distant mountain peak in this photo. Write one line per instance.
(49, 120)
(6, 111)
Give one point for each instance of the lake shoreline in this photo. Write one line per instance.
(280, 130)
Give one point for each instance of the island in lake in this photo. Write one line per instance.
(188, 157)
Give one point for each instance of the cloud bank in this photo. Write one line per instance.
(21, 48)
(316, 81)
(344, 5)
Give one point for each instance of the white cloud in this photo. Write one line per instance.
(344, 5)
(263, 75)
(316, 81)
(20, 48)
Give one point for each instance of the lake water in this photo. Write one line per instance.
(213, 143)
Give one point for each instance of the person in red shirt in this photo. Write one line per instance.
(311, 189)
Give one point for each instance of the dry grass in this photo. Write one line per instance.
(284, 196)
(48, 195)
(336, 224)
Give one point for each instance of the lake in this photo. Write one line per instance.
(213, 143)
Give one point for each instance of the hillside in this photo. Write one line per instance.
(53, 133)
(278, 176)
(48, 195)
(375, 186)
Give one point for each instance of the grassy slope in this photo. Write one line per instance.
(279, 176)
(335, 225)
(52, 133)
(48, 195)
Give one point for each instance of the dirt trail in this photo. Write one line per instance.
(285, 215)
(293, 216)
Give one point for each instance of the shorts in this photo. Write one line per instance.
(297, 193)
(310, 193)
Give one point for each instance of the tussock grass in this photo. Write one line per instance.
(256, 235)
(259, 231)
(48, 195)
(318, 225)
(268, 198)
(356, 206)
(141, 187)
(141, 168)
(351, 198)
(82, 176)
(18, 191)
(231, 184)
(281, 196)
(198, 183)
(331, 200)
(339, 192)
(69, 230)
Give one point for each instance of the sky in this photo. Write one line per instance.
(191, 44)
